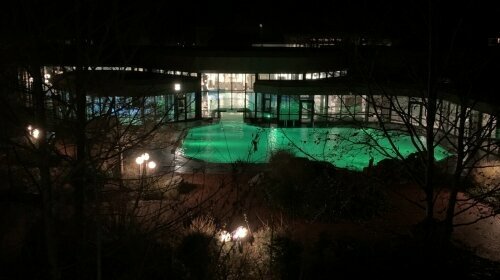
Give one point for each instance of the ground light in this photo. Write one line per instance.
(224, 236)
(240, 233)
(34, 132)
(237, 237)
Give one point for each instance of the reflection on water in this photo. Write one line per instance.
(232, 140)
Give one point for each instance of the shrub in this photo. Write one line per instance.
(316, 190)
(197, 253)
(485, 182)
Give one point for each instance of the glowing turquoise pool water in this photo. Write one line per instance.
(232, 140)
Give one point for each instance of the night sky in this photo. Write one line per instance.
(238, 23)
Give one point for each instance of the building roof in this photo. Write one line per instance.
(126, 83)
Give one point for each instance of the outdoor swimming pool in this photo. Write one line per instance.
(231, 140)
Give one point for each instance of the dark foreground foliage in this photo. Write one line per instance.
(318, 191)
(272, 255)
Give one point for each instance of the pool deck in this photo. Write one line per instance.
(164, 149)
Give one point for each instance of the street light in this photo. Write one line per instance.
(260, 34)
(177, 87)
(144, 163)
(35, 134)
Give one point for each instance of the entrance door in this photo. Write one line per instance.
(307, 112)
(231, 88)
(180, 107)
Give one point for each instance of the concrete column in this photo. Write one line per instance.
(197, 97)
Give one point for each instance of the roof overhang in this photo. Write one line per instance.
(126, 83)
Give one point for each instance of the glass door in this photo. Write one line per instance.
(306, 111)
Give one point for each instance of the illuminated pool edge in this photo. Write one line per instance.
(344, 147)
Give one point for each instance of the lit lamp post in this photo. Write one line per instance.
(144, 164)
(33, 135)
(180, 102)
(260, 34)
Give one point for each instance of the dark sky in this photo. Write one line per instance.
(160, 20)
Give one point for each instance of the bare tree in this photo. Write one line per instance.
(448, 114)
(81, 151)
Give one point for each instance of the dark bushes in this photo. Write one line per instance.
(317, 190)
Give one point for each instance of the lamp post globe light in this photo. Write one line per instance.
(151, 165)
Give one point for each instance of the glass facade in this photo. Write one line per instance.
(289, 109)
(226, 92)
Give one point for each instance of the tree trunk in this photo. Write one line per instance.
(79, 180)
(44, 168)
(80, 171)
(457, 175)
(430, 118)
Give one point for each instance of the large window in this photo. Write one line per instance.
(400, 109)
(321, 107)
(185, 106)
(230, 90)
(352, 106)
(289, 108)
(380, 108)
(265, 105)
